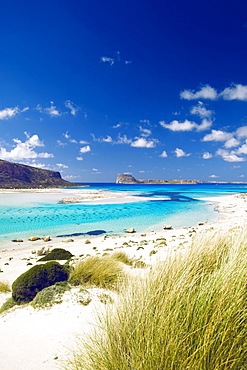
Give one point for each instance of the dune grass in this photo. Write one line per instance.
(4, 287)
(122, 257)
(103, 272)
(188, 313)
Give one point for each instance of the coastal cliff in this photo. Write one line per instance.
(14, 175)
(129, 179)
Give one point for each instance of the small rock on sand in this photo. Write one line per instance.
(167, 227)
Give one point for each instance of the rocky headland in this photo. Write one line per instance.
(14, 175)
(129, 179)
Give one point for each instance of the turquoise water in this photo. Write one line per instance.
(33, 214)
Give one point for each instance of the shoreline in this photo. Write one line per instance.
(42, 339)
(231, 210)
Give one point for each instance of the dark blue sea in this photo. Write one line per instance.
(23, 215)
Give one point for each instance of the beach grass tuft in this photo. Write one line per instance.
(122, 257)
(4, 287)
(189, 312)
(103, 272)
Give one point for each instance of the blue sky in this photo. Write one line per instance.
(155, 88)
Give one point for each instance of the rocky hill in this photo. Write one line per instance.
(129, 179)
(14, 175)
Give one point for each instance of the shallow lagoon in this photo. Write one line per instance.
(27, 214)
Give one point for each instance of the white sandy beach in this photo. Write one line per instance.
(84, 195)
(42, 339)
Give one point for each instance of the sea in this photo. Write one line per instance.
(40, 214)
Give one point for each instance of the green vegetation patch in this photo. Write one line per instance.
(122, 257)
(188, 312)
(50, 295)
(27, 285)
(57, 254)
(7, 305)
(4, 287)
(103, 272)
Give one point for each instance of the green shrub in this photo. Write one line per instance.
(57, 254)
(94, 270)
(4, 287)
(7, 305)
(188, 312)
(50, 295)
(27, 285)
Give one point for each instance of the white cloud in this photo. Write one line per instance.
(51, 111)
(72, 106)
(107, 60)
(9, 112)
(205, 125)
(45, 155)
(83, 142)
(61, 165)
(163, 154)
(117, 125)
(145, 121)
(241, 132)
(235, 92)
(85, 149)
(33, 140)
(71, 177)
(213, 176)
(144, 143)
(34, 163)
(60, 143)
(179, 126)
(206, 92)
(229, 156)
(231, 143)
(108, 139)
(66, 135)
(207, 155)
(186, 125)
(145, 132)
(201, 111)
(218, 135)
(242, 149)
(24, 150)
(180, 153)
(123, 140)
(79, 158)
(233, 158)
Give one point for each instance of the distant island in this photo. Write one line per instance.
(129, 179)
(14, 175)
